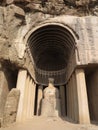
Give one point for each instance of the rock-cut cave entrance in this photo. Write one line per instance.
(51, 47)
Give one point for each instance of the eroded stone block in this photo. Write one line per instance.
(11, 106)
(19, 12)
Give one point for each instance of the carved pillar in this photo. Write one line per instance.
(75, 100)
(69, 99)
(82, 97)
(71, 87)
(29, 99)
(21, 81)
(39, 100)
(33, 97)
(25, 102)
(67, 89)
(62, 96)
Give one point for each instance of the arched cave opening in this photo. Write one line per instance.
(51, 47)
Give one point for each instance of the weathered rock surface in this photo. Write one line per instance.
(11, 106)
(14, 16)
(55, 6)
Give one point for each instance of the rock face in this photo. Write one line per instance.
(11, 106)
(14, 15)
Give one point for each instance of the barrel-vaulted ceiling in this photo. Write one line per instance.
(51, 47)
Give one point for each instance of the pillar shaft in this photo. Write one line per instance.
(82, 97)
(33, 97)
(62, 96)
(29, 99)
(72, 102)
(39, 99)
(67, 88)
(69, 99)
(75, 100)
(21, 81)
(24, 116)
(71, 116)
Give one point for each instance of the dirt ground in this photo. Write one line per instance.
(42, 123)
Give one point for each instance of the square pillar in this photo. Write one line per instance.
(71, 108)
(67, 89)
(33, 97)
(39, 99)
(62, 96)
(69, 99)
(72, 101)
(25, 102)
(82, 97)
(29, 98)
(75, 99)
(21, 81)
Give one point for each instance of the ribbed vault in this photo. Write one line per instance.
(51, 47)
